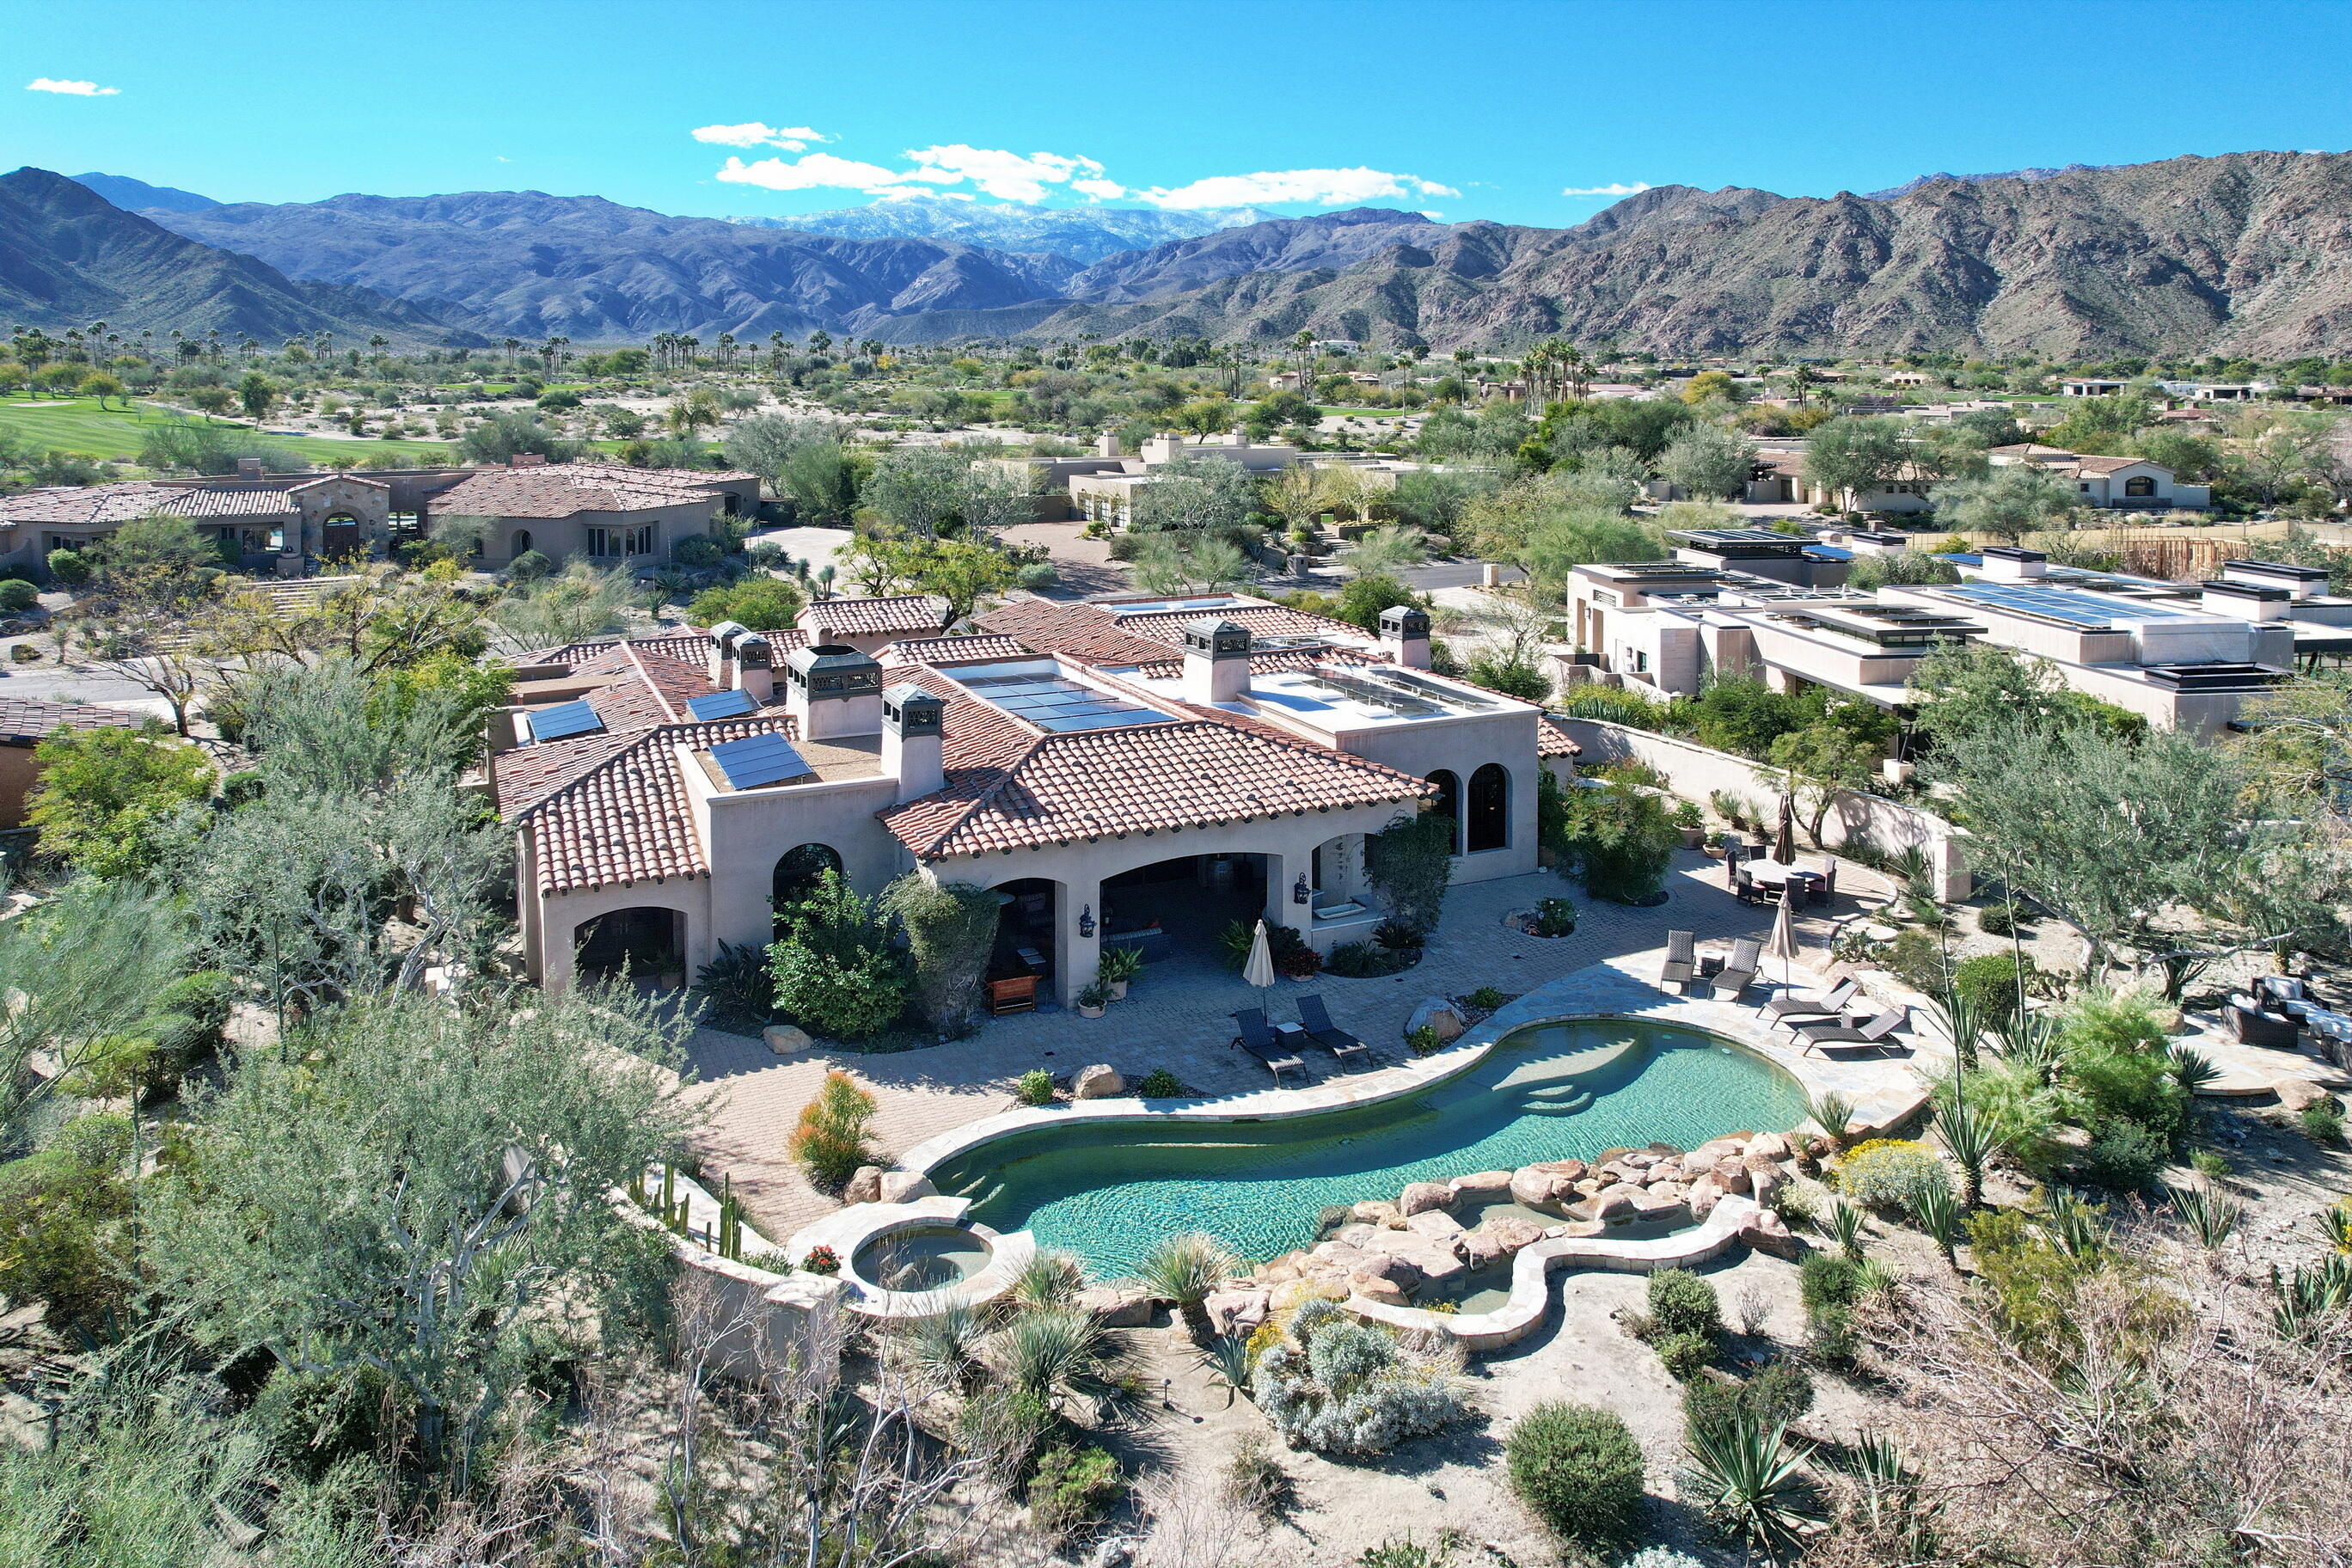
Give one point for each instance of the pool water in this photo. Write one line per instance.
(926, 1259)
(1108, 1191)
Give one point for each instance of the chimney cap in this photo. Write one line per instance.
(1404, 620)
(725, 633)
(914, 709)
(1216, 637)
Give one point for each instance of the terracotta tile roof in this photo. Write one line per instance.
(523, 777)
(689, 648)
(1081, 631)
(625, 819)
(646, 691)
(28, 719)
(1259, 620)
(647, 688)
(230, 503)
(93, 504)
(952, 651)
(1198, 770)
(567, 490)
(1553, 739)
(2108, 465)
(345, 477)
(868, 618)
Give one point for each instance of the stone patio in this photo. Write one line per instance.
(1178, 1016)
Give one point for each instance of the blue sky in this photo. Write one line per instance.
(1537, 113)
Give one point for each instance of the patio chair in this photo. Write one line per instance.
(1316, 1019)
(1829, 1003)
(1876, 1032)
(1739, 970)
(1829, 883)
(1744, 888)
(1257, 1039)
(2251, 1024)
(1682, 959)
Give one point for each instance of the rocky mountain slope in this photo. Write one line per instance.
(69, 257)
(1279, 245)
(2248, 253)
(533, 264)
(137, 195)
(1082, 234)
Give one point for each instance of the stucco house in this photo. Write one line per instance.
(2120, 484)
(1134, 771)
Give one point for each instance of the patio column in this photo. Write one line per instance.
(1282, 874)
(1076, 955)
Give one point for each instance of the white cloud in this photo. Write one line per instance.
(1321, 188)
(1101, 190)
(1008, 176)
(791, 138)
(70, 88)
(907, 193)
(1618, 188)
(818, 170)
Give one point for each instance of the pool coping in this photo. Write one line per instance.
(1531, 1271)
(847, 1230)
(1885, 1094)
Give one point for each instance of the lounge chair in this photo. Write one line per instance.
(1259, 1041)
(1682, 959)
(1829, 1003)
(1316, 1019)
(2251, 1023)
(1876, 1032)
(1739, 970)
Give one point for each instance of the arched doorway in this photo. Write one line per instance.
(796, 873)
(1489, 817)
(1180, 909)
(1448, 804)
(1021, 962)
(647, 945)
(519, 543)
(339, 535)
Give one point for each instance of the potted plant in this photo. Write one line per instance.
(1693, 822)
(1119, 966)
(1093, 1000)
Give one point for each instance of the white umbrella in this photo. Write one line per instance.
(1783, 945)
(1259, 970)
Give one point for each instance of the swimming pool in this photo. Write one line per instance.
(1108, 1190)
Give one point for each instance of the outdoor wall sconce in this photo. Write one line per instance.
(1086, 922)
(1298, 893)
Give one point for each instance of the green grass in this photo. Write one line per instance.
(82, 428)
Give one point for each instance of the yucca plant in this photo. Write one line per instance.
(1184, 1268)
(1834, 1113)
(1963, 1020)
(946, 1347)
(2310, 1295)
(2194, 1068)
(2335, 1223)
(2211, 1216)
(1058, 1351)
(1970, 1138)
(1050, 1278)
(2031, 1039)
(1846, 1225)
(1750, 1480)
(1226, 1358)
(2076, 1228)
(1938, 1214)
(1887, 1502)
(1872, 1277)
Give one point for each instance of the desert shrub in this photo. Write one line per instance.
(835, 971)
(1916, 958)
(1487, 998)
(2000, 919)
(1071, 1485)
(1362, 961)
(1833, 1340)
(1685, 1355)
(1035, 1086)
(16, 596)
(1255, 1479)
(697, 550)
(2114, 1052)
(950, 927)
(59, 1212)
(1578, 1470)
(736, 984)
(829, 1139)
(1412, 863)
(1343, 1388)
(1827, 1279)
(1161, 1084)
(1989, 980)
(1555, 917)
(529, 567)
(2321, 1121)
(1424, 1040)
(1891, 1173)
(1779, 1392)
(1682, 1303)
(1623, 842)
(312, 1421)
(2125, 1157)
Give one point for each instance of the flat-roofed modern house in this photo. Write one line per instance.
(1136, 771)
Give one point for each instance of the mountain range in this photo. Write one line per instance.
(2246, 253)
(1081, 233)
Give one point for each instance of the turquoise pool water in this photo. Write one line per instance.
(1549, 1091)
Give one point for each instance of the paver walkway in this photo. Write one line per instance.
(1178, 1016)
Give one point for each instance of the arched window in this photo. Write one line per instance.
(1490, 808)
(521, 542)
(797, 871)
(2140, 486)
(1448, 804)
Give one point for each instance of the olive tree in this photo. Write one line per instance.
(1195, 495)
(1709, 460)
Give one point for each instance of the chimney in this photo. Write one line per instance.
(912, 719)
(2006, 563)
(1106, 445)
(722, 652)
(832, 689)
(754, 674)
(249, 467)
(1404, 636)
(527, 460)
(1216, 660)
(2245, 601)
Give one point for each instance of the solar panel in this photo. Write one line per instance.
(720, 705)
(2064, 606)
(1055, 703)
(1420, 685)
(564, 721)
(759, 760)
(1400, 703)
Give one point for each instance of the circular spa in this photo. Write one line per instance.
(1570, 1089)
(922, 1256)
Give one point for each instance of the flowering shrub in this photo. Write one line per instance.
(821, 1260)
(1892, 1174)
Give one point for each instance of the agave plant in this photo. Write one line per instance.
(1970, 1139)
(1872, 1277)
(2312, 1294)
(1834, 1113)
(1938, 1214)
(2193, 1068)
(2335, 1223)
(1887, 1502)
(2076, 1228)
(2032, 1039)
(1184, 1268)
(1846, 1225)
(1746, 1475)
(1050, 1278)
(2211, 1216)
(1226, 1358)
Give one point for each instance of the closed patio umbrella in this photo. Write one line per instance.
(1784, 844)
(1259, 970)
(1783, 945)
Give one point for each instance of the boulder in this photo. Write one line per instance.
(1538, 1188)
(1115, 1308)
(1421, 1197)
(1434, 1225)
(1587, 1186)
(1437, 1264)
(1574, 1170)
(1379, 1212)
(1768, 1232)
(1703, 1195)
(1731, 1176)
(1393, 1266)
(1651, 1202)
(1675, 1190)
(1763, 1183)
(1437, 1013)
(786, 1039)
(1771, 1145)
(1357, 1235)
(1100, 1081)
(905, 1186)
(1505, 1234)
(1639, 1159)
(2295, 1094)
(1490, 1183)
(1237, 1311)
(1607, 1206)
(1387, 1292)
(1716, 1150)
(1575, 1227)
(865, 1187)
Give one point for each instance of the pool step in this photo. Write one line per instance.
(1580, 1099)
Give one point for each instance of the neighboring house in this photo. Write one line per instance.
(25, 723)
(1137, 770)
(602, 512)
(2120, 484)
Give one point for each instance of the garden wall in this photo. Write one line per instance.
(1695, 772)
(784, 1329)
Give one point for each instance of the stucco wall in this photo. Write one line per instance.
(1464, 745)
